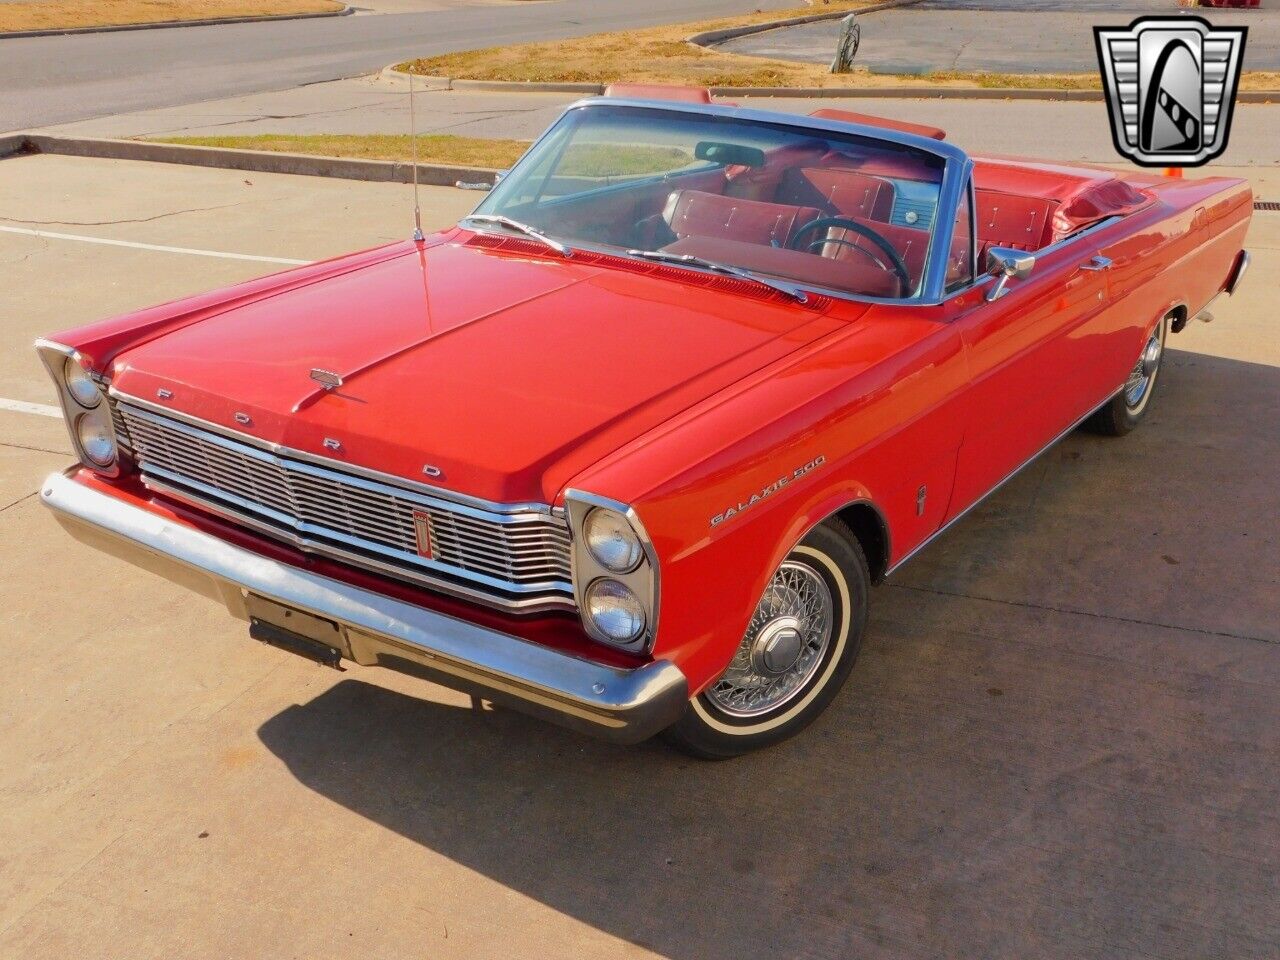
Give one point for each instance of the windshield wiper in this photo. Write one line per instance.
(689, 260)
(528, 231)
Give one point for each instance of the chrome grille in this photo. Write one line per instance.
(512, 559)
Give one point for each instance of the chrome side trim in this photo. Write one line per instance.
(1013, 473)
(623, 705)
(424, 490)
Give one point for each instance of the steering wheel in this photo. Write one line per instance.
(895, 264)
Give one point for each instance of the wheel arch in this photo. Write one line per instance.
(861, 515)
(870, 528)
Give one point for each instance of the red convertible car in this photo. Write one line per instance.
(627, 447)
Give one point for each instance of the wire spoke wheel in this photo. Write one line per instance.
(784, 645)
(1144, 371)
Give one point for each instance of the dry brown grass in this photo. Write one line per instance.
(68, 14)
(661, 55)
(432, 148)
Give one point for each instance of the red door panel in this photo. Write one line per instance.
(1033, 362)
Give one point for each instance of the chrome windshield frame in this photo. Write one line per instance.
(956, 169)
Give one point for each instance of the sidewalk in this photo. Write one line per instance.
(1058, 130)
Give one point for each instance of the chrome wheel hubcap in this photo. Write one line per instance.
(1144, 371)
(785, 644)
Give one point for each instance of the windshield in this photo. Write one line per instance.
(830, 210)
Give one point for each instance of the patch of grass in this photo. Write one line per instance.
(662, 55)
(652, 55)
(69, 14)
(432, 148)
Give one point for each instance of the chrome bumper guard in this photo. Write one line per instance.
(624, 706)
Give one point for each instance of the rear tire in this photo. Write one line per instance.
(797, 652)
(1125, 410)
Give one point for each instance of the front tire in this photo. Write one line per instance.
(1125, 410)
(797, 651)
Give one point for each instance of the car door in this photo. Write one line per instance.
(1037, 357)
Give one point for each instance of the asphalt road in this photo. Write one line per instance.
(45, 80)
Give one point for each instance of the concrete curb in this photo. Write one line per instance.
(386, 171)
(429, 82)
(167, 24)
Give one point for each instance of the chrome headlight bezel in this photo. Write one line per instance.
(623, 603)
(598, 526)
(641, 578)
(80, 385)
(93, 432)
(58, 359)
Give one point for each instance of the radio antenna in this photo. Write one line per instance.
(413, 147)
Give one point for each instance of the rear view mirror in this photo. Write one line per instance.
(729, 154)
(1007, 264)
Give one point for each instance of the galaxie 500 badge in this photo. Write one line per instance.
(1171, 85)
(768, 491)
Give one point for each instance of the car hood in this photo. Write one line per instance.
(504, 370)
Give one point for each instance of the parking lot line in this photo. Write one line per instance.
(50, 235)
(22, 406)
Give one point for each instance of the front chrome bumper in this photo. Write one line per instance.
(622, 705)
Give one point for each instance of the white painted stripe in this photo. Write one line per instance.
(39, 409)
(50, 235)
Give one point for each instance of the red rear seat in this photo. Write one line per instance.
(1012, 220)
(844, 193)
(694, 213)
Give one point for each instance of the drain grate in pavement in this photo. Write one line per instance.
(1266, 205)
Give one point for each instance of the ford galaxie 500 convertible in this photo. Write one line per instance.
(627, 447)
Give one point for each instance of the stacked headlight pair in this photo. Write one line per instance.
(614, 577)
(84, 405)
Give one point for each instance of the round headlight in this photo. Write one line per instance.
(615, 611)
(96, 441)
(80, 385)
(611, 541)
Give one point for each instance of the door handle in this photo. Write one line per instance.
(1097, 263)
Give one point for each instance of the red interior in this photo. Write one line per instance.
(1028, 206)
(1023, 205)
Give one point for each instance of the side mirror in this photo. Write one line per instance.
(1007, 264)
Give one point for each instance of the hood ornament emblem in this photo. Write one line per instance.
(326, 378)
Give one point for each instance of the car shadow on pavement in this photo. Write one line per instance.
(1059, 740)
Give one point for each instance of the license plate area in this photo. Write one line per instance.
(308, 636)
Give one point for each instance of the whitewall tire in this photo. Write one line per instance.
(798, 648)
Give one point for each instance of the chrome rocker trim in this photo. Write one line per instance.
(625, 706)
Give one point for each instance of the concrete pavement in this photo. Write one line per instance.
(1061, 130)
(55, 79)
(1060, 741)
(999, 36)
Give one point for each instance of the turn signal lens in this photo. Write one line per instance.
(80, 385)
(96, 440)
(615, 611)
(612, 542)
